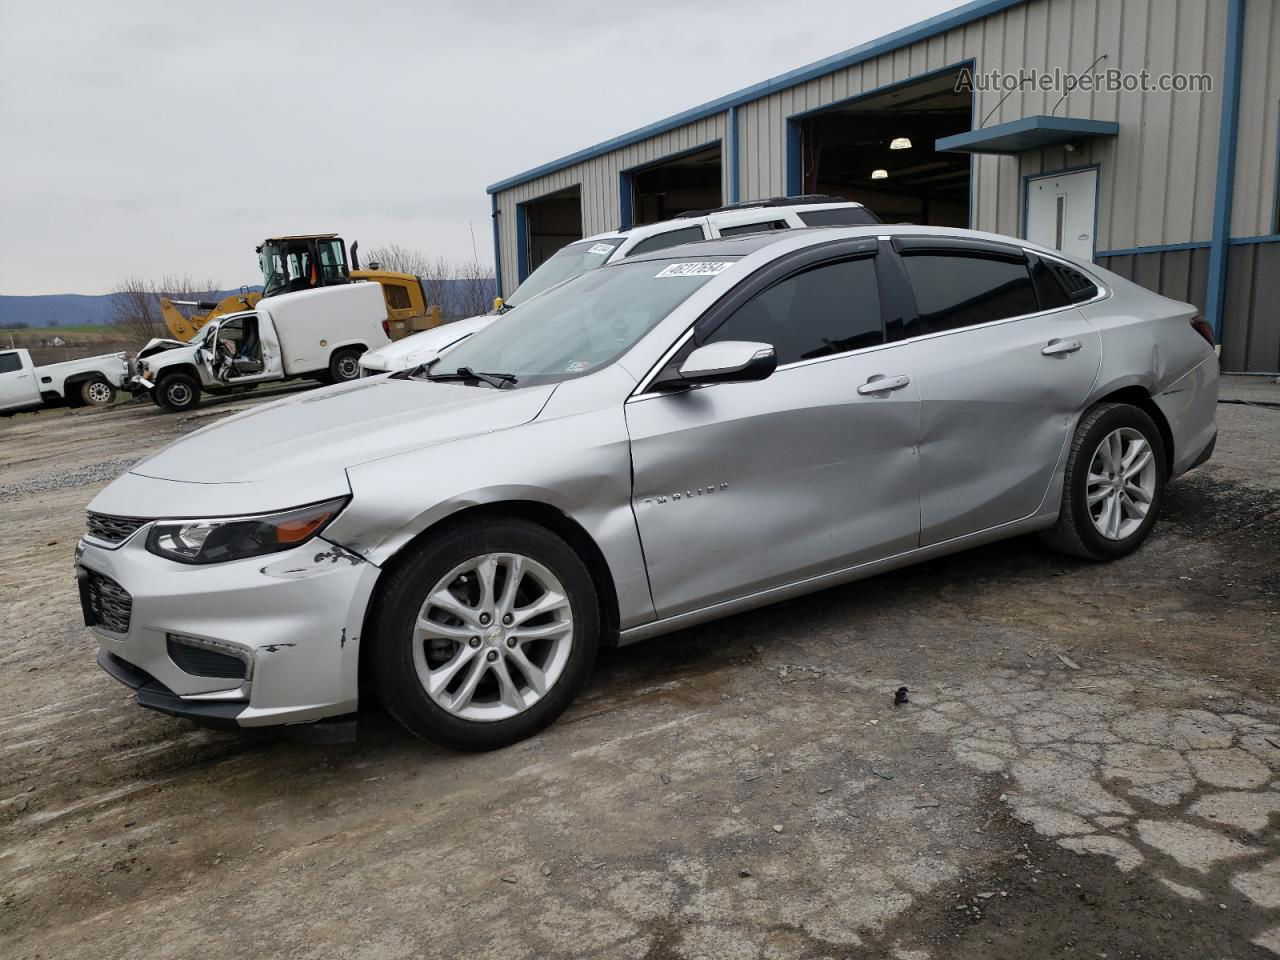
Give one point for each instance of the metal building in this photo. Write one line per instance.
(1175, 188)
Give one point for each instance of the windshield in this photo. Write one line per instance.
(570, 261)
(581, 325)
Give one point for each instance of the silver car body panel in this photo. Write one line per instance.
(701, 502)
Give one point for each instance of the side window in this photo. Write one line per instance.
(671, 238)
(826, 309)
(961, 290)
(838, 217)
(1048, 289)
(9, 362)
(397, 297)
(761, 227)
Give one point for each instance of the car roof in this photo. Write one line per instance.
(719, 247)
(690, 218)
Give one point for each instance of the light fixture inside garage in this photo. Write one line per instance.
(900, 143)
(880, 174)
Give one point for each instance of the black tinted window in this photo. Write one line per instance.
(1077, 285)
(839, 217)
(1048, 289)
(761, 227)
(669, 239)
(827, 309)
(9, 362)
(959, 291)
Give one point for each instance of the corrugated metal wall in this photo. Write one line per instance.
(1251, 320)
(599, 180)
(1257, 153)
(1180, 274)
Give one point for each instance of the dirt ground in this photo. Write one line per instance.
(1088, 765)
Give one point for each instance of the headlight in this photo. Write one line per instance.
(234, 538)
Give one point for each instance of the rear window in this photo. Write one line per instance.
(10, 362)
(762, 226)
(838, 217)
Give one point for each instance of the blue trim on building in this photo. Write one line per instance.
(626, 197)
(969, 12)
(1275, 201)
(1025, 133)
(1026, 196)
(795, 159)
(1245, 241)
(626, 191)
(731, 132)
(522, 243)
(1224, 187)
(497, 247)
(1154, 248)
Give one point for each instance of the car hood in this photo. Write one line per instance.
(297, 450)
(160, 345)
(412, 350)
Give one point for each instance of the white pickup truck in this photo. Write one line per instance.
(319, 333)
(92, 381)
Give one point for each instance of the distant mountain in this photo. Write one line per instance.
(74, 309)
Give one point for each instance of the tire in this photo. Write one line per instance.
(178, 392)
(1080, 531)
(344, 365)
(97, 393)
(484, 719)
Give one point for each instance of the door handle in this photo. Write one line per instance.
(1057, 348)
(880, 384)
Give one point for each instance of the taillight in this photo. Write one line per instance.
(386, 328)
(1201, 326)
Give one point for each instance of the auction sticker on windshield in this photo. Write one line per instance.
(600, 248)
(698, 268)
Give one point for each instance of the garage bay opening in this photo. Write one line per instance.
(549, 223)
(675, 185)
(878, 150)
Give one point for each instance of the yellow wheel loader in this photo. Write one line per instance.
(306, 261)
(183, 327)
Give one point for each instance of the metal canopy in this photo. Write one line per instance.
(1029, 133)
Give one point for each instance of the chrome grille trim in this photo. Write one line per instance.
(110, 530)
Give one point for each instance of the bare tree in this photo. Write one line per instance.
(135, 303)
(475, 288)
(435, 284)
(397, 259)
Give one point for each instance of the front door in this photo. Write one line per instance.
(1001, 380)
(16, 387)
(742, 487)
(1062, 210)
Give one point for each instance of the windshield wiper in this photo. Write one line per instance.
(495, 380)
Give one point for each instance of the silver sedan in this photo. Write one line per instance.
(663, 441)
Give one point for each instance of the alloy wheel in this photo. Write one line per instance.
(493, 637)
(99, 392)
(1121, 484)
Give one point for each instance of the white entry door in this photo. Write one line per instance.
(1061, 211)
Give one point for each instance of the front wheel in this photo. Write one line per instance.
(178, 392)
(1114, 482)
(485, 635)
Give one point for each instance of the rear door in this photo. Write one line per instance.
(743, 487)
(1004, 364)
(17, 384)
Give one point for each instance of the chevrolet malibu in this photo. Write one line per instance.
(666, 440)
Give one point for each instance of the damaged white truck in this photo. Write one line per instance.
(319, 334)
(92, 381)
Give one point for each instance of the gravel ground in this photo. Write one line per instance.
(1088, 765)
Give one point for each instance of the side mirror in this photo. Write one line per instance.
(732, 361)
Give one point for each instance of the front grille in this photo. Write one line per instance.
(203, 662)
(108, 604)
(113, 530)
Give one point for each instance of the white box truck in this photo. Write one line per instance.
(88, 382)
(317, 333)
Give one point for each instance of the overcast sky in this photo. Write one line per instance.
(151, 139)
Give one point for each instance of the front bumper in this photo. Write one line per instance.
(295, 617)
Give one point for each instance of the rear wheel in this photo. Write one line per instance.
(177, 392)
(1115, 477)
(485, 635)
(97, 392)
(344, 365)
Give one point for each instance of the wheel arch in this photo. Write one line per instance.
(544, 515)
(1136, 395)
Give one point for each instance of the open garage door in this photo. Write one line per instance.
(878, 150)
(676, 185)
(549, 223)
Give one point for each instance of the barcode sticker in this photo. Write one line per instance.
(600, 248)
(698, 268)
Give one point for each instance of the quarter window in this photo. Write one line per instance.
(827, 309)
(745, 228)
(838, 217)
(9, 362)
(671, 238)
(955, 291)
